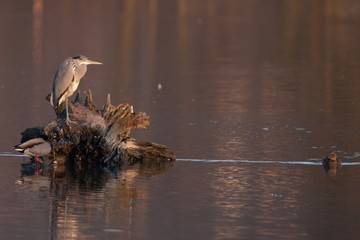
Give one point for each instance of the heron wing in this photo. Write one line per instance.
(64, 77)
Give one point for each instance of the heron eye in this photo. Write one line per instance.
(76, 57)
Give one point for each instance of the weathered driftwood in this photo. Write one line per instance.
(99, 136)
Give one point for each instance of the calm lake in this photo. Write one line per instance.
(250, 94)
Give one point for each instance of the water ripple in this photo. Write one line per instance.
(310, 162)
(318, 162)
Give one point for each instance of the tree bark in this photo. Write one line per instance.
(99, 136)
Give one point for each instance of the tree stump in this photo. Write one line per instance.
(99, 136)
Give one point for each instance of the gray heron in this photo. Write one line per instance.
(67, 79)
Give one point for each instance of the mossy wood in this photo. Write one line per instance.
(99, 136)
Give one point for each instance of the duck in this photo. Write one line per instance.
(36, 147)
(331, 161)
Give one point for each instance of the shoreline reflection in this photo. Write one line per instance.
(81, 197)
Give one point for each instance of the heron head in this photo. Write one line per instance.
(84, 60)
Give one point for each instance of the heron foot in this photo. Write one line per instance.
(69, 122)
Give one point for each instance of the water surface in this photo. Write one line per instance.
(270, 84)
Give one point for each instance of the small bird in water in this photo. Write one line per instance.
(331, 162)
(67, 79)
(36, 147)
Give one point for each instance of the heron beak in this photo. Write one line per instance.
(91, 62)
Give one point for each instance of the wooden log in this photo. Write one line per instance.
(100, 135)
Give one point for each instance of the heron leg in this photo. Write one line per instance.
(68, 122)
(67, 109)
